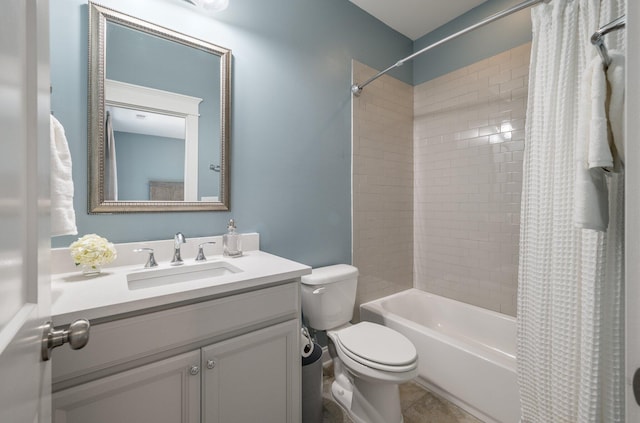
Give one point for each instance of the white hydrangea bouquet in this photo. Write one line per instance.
(92, 252)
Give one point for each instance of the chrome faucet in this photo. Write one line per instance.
(151, 260)
(201, 256)
(177, 240)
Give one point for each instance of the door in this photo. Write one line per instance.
(24, 212)
(253, 377)
(167, 391)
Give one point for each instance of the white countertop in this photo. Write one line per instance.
(75, 296)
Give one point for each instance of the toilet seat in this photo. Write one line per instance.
(377, 347)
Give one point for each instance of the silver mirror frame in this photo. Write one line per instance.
(98, 17)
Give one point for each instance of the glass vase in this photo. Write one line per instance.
(90, 271)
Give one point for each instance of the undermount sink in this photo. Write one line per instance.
(149, 278)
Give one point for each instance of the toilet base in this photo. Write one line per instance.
(367, 402)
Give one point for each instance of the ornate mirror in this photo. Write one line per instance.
(158, 118)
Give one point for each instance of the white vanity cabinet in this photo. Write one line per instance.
(228, 360)
(160, 392)
(247, 379)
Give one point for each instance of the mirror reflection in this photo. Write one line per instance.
(159, 112)
(145, 150)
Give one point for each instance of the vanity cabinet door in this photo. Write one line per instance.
(166, 391)
(253, 377)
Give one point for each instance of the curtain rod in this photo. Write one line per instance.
(597, 39)
(356, 88)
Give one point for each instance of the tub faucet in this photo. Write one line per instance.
(177, 240)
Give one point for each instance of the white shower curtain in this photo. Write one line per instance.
(110, 163)
(570, 330)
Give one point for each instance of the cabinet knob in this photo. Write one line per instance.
(76, 336)
(211, 364)
(194, 370)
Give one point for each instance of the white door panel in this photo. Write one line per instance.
(24, 227)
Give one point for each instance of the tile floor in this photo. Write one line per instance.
(418, 406)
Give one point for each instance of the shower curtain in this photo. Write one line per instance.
(570, 327)
(110, 164)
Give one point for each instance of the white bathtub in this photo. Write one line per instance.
(465, 353)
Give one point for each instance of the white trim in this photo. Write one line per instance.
(139, 97)
(191, 158)
(151, 98)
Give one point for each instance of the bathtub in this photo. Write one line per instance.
(466, 354)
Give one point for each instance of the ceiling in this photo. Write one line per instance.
(415, 18)
(146, 123)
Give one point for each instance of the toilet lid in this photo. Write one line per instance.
(377, 344)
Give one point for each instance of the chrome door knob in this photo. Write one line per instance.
(77, 336)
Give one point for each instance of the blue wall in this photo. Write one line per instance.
(291, 117)
(484, 42)
(141, 158)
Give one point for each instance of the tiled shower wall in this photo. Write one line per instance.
(382, 123)
(468, 144)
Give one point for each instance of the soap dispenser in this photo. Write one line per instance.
(231, 242)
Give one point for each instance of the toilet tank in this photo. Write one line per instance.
(328, 296)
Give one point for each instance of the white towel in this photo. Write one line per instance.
(591, 205)
(63, 216)
(596, 152)
(615, 77)
(591, 210)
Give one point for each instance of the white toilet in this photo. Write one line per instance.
(370, 360)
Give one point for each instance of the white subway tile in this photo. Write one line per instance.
(424, 154)
(467, 197)
(383, 185)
